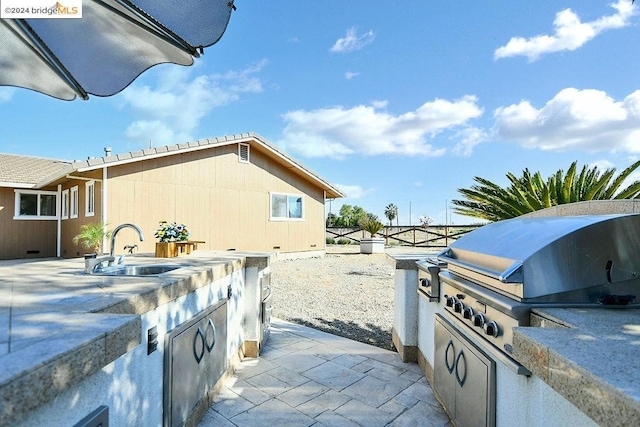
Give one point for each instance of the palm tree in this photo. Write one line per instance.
(391, 212)
(531, 192)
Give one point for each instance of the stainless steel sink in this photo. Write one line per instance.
(137, 270)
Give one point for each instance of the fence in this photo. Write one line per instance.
(436, 236)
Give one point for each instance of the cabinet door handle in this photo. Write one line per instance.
(446, 356)
(461, 359)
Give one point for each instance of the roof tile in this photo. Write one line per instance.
(29, 170)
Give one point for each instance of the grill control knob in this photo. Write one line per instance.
(478, 320)
(468, 313)
(451, 301)
(491, 328)
(458, 307)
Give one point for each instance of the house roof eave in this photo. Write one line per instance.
(152, 153)
(20, 185)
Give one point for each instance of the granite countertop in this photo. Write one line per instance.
(58, 325)
(591, 356)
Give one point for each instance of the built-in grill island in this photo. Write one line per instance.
(489, 281)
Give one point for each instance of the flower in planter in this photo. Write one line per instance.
(172, 232)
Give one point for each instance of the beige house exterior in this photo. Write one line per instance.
(233, 193)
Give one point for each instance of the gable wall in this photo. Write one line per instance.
(224, 202)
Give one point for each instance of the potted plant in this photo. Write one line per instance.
(91, 236)
(168, 233)
(372, 244)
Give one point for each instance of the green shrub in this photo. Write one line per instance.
(330, 241)
(343, 241)
(371, 225)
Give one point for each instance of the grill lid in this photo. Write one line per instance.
(579, 257)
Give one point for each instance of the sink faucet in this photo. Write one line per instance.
(113, 241)
(93, 262)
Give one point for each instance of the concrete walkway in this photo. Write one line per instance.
(306, 377)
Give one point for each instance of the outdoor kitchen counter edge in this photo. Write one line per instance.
(589, 356)
(101, 325)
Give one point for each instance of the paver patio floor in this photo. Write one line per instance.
(305, 377)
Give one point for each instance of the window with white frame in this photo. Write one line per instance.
(90, 198)
(64, 206)
(286, 207)
(73, 202)
(35, 204)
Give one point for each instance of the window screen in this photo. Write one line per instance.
(286, 206)
(28, 204)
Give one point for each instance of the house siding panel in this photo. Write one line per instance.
(22, 236)
(224, 202)
(71, 227)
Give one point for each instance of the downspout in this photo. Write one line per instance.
(59, 230)
(103, 207)
(324, 220)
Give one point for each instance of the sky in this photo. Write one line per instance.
(392, 102)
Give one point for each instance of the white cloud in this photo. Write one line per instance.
(587, 120)
(380, 104)
(602, 164)
(339, 132)
(570, 33)
(154, 133)
(351, 41)
(6, 93)
(353, 191)
(469, 138)
(350, 74)
(173, 109)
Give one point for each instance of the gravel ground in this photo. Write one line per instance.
(345, 293)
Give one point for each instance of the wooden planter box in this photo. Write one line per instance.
(175, 249)
(166, 250)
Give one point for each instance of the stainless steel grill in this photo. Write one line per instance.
(496, 274)
(489, 280)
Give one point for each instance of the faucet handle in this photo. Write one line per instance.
(130, 248)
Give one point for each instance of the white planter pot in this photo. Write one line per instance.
(372, 245)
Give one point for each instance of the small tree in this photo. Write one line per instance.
(350, 216)
(371, 224)
(91, 236)
(425, 221)
(391, 212)
(332, 220)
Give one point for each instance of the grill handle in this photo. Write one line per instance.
(513, 274)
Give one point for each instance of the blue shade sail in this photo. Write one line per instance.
(109, 47)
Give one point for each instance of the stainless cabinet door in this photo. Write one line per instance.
(472, 388)
(196, 358)
(444, 379)
(464, 377)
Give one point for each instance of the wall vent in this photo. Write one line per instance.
(243, 153)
